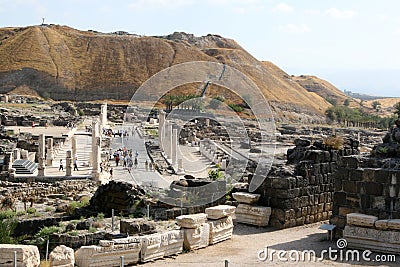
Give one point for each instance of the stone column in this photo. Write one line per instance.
(50, 152)
(103, 115)
(41, 155)
(68, 164)
(73, 141)
(95, 130)
(180, 166)
(96, 148)
(223, 165)
(207, 122)
(16, 154)
(161, 128)
(174, 147)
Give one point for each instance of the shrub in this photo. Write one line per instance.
(334, 142)
(7, 227)
(76, 204)
(7, 214)
(215, 174)
(235, 107)
(30, 210)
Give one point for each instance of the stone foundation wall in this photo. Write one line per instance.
(371, 191)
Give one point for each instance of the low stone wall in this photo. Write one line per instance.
(361, 189)
(367, 232)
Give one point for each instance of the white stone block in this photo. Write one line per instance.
(196, 238)
(220, 211)
(359, 219)
(220, 230)
(157, 246)
(62, 256)
(394, 224)
(254, 215)
(381, 224)
(191, 221)
(27, 255)
(246, 198)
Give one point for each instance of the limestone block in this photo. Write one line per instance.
(254, 215)
(394, 224)
(137, 226)
(191, 221)
(62, 256)
(220, 230)
(220, 211)
(372, 239)
(381, 224)
(359, 219)
(157, 246)
(97, 256)
(27, 255)
(246, 198)
(196, 238)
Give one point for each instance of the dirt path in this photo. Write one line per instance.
(243, 249)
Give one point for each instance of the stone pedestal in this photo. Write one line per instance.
(196, 238)
(191, 221)
(68, 164)
(62, 256)
(41, 155)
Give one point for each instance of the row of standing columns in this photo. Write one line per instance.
(209, 150)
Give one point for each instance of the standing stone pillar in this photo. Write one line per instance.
(161, 128)
(223, 165)
(68, 164)
(103, 115)
(41, 155)
(16, 153)
(180, 166)
(174, 147)
(50, 152)
(95, 130)
(96, 149)
(73, 140)
(207, 122)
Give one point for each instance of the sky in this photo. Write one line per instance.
(354, 44)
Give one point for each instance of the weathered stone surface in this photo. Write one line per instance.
(359, 219)
(137, 226)
(372, 239)
(157, 246)
(254, 215)
(196, 238)
(27, 255)
(97, 256)
(381, 224)
(62, 256)
(220, 211)
(191, 221)
(220, 230)
(394, 224)
(246, 198)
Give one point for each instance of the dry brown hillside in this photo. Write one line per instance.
(68, 64)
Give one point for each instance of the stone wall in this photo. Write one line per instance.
(302, 191)
(362, 189)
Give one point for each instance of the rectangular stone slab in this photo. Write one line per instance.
(96, 256)
(220, 211)
(359, 219)
(191, 221)
(254, 215)
(27, 255)
(156, 246)
(220, 230)
(246, 198)
(196, 238)
(394, 224)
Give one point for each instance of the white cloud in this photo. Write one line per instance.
(339, 14)
(283, 8)
(170, 4)
(295, 28)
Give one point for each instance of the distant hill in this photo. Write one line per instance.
(69, 64)
(364, 96)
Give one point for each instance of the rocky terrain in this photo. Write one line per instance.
(68, 64)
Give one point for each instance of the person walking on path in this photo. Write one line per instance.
(61, 168)
(111, 173)
(116, 160)
(76, 164)
(136, 162)
(146, 165)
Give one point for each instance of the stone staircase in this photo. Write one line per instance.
(24, 166)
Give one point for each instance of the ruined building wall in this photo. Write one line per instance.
(362, 189)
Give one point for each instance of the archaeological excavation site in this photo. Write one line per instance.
(205, 157)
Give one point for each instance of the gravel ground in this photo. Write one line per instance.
(247, 241)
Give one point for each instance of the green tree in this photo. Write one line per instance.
(376, 105)
(346, 102)
(397, 109)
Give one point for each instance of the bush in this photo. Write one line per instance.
(215, 175)
(76, 204)
(7, 227)
(334, 142)
(7, 214)
(30, 210)
(235, 107)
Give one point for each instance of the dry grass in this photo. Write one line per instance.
(334, 142)
(44, 263)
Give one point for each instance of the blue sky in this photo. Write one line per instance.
(353, 44)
